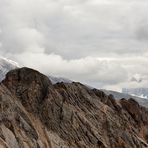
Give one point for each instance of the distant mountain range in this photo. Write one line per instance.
(139, 92)
(118, 96)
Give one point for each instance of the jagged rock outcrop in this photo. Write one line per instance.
(36, 113)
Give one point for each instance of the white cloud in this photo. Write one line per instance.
(90, 70)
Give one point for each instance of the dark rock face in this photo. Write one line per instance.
(29, 86)
(35, 113)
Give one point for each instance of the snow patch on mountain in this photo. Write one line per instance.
(140, 96)
(5, 66)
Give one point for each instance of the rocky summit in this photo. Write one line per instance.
(34, 113)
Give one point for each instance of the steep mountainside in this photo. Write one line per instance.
(5, 66)
(35, 113)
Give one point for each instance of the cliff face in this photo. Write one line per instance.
(35, 113)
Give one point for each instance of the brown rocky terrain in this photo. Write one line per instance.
(34, 113)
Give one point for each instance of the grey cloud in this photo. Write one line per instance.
(142, 32)
(38, 33)
(137, 78)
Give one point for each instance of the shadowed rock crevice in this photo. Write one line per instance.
(36, 113)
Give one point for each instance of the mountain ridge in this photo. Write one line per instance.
(66, 115)
(6, 65)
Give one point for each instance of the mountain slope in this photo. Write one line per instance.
(5, 66)
(36, 113)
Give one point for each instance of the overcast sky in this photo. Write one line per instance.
(103, 43)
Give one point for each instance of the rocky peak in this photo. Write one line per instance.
(26, 76)
(36, 113)
(28, 85)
